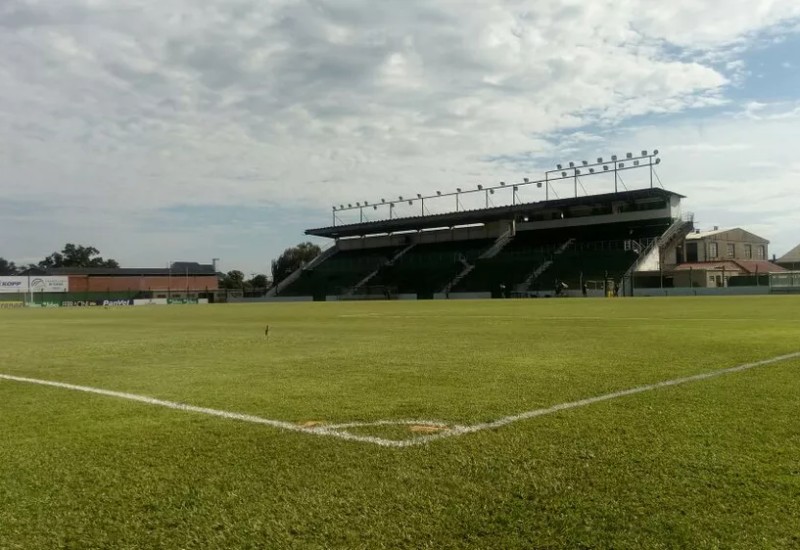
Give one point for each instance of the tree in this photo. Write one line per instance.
(292, 259)
(77, 256)
(258, 281)
(7, 267)
(232, 280)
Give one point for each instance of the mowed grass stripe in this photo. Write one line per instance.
(705, 465)
(709, 466)
(443, 430)
(316, 366)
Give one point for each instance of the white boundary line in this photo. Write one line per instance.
(447, 430)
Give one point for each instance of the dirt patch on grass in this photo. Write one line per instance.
(425, 429)
(312, 423)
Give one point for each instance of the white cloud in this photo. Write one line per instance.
(310, 102)
(735, 170)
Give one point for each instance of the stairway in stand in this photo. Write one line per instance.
(497, 247)
(284, 284)
(363, 282)
(544, 266)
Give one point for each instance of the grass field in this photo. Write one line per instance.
(712, 463)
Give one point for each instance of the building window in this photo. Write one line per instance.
(748, 251)
(712, 250)
(762, 253)
(731, 250)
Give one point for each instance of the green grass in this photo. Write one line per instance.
(712, 464)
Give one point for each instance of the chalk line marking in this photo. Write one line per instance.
(280, 424)
(448, 430)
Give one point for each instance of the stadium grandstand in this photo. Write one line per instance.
(586, 244)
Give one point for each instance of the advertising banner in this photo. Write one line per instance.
(23, 284)
(96, 303)
(54, 302)
(182, 301)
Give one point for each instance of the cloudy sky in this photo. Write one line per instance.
(184, 130)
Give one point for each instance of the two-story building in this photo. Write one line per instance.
(723, 244)
(712, 258)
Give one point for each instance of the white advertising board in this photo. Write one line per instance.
(23, 284)
(150, 302)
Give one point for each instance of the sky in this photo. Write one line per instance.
(185, 131)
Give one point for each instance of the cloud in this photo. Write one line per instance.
(735, 170)
(304, 103)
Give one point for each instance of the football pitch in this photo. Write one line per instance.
(550, 423)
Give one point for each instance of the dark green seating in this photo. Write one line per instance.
(340, 272)
(581, 253)
(427, 268)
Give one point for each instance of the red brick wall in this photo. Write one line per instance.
(78, 283)
(83, 283)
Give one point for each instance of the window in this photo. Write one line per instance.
(731, 250)
(712, 250)
(748, 251)
(762, 253)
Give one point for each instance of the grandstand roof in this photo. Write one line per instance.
(480, 215)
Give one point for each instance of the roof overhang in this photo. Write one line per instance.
(482, 215)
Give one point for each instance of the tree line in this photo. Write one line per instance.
(73, 255)
(284, 265)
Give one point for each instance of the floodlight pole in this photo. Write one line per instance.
(563, 175)
(576, 183)
(547, 186)
(361, 215)
(547, 179)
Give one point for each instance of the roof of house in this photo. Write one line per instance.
(728, 265)
(793, 256)
(704, 234)
(759, 266)
(177, 269)
(751, 267)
